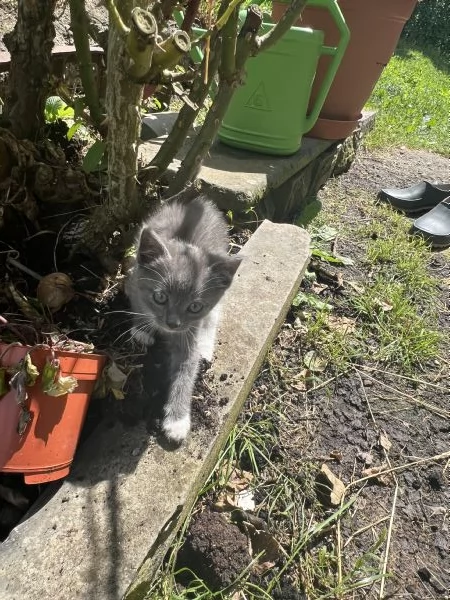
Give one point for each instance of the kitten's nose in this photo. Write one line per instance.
(173, 322)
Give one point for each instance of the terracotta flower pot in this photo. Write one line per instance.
(375, 28)
(46, 449)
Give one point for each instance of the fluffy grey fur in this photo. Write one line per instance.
(181, 273)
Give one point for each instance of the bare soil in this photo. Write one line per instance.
(369, 418)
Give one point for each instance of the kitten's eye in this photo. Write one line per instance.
(160, 297)
(195, 307)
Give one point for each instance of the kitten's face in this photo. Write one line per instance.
(177, 284)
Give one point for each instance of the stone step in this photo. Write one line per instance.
(273, 187)
(103, 534)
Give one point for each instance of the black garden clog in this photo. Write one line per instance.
(434, 226)
(419, 197)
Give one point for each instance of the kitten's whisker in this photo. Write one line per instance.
(126, 312)
(157, 281)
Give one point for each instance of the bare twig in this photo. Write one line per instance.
(388, 541)
(415, 463)
(431, 407)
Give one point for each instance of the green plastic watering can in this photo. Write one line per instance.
(269, 113)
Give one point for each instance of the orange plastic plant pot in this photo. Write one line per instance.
(46, 449)
(375, 28)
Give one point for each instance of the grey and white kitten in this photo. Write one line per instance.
(182, 271)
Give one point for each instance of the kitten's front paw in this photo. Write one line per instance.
(176, 430)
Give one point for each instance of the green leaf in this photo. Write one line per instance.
(49, 373)
(62, 386)
(53, 105)
(72, 130)
(331, 258)
(93, 156)
(310, 300)
(309, 213)
(324, 234)
(31, 371)
(55, 384)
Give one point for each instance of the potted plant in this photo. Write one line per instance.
(44, 395)
(375, 28)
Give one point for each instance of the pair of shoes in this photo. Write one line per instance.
(434, 226)
(417, 198)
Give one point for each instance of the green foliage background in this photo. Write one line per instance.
(430, 26)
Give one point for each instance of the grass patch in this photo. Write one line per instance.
(394, 300)
(412, 99)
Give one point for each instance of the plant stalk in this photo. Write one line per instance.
(80, 25)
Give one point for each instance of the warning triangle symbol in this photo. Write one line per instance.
(259, 99)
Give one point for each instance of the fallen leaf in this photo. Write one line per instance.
(384, 441)
(314, 362)
(318, 288)
(245, 500)
(330, 487)
(264, 545)
(299, 387)
(366, 458)
(239, 480)
(385, 306)
(299, 326)
(355, 286)
(341, 324)
(325, 233)
(224, 503)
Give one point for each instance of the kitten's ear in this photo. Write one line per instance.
(223, 269)
(151, 246)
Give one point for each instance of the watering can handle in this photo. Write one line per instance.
(337, 52)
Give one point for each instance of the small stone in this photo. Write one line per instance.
(424, 574)
(436, 480)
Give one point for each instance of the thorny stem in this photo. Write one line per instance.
(79, 25)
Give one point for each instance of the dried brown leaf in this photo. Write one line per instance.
(330, 487)
(384, 441)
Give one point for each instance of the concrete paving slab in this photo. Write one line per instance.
(103, 534)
